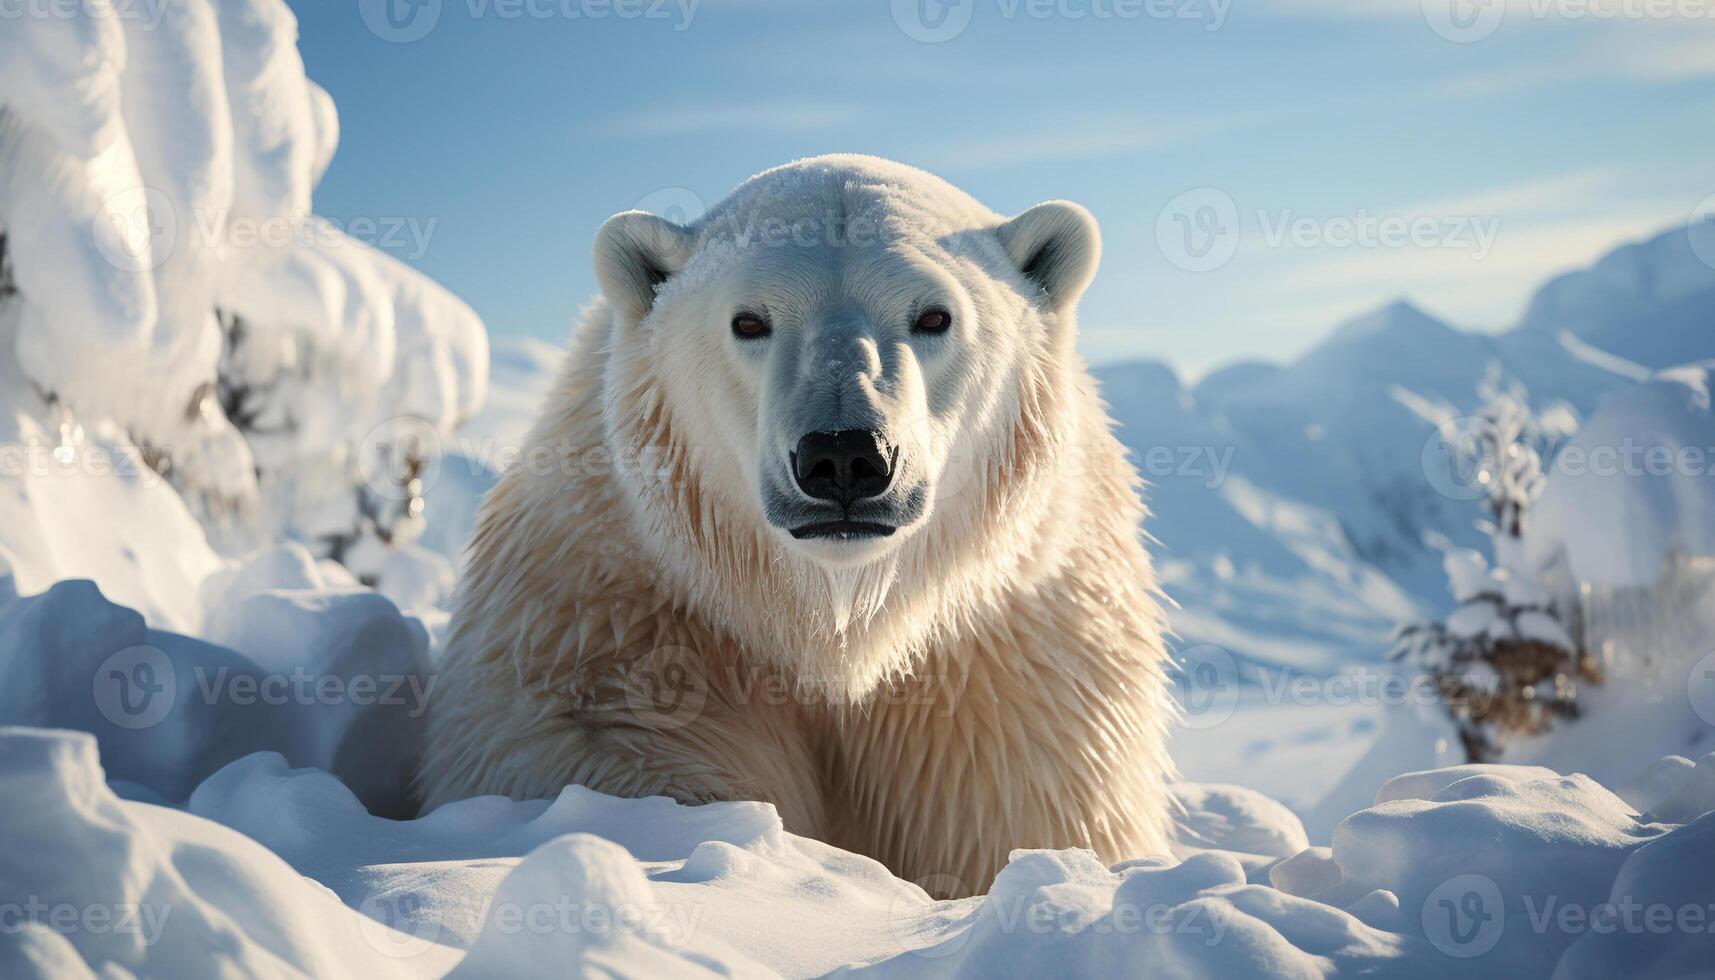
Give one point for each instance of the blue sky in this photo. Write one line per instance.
(1261, 168)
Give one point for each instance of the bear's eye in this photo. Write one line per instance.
(933, 321)
(749, 326)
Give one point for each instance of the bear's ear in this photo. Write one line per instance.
(635, 252)
(1056, 245)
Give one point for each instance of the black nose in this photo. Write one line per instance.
(843, 466)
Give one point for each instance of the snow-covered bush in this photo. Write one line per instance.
(345, 370)
(161, 269)
(1506, 661)
(1625, 533)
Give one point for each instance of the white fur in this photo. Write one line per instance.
(990, 676)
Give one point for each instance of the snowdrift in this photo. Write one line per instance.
(269, 870)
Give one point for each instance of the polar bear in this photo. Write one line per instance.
(824, 511)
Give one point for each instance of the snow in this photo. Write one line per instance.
(273, 870)
(1647, 302)
(1643, 463)
(213, 723)
(172, 281)
(147, 546)
(260, 821)
(521, 373)
(1339, 505)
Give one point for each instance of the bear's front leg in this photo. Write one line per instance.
(668, 721)
(1041, 727)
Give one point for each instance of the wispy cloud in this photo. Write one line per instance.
(1674, 58)
(1604, 13)
(1091, 136)
(773, 117)
(1649, 56)
(1560, 193)
(1071, 144)
(1540, 228)
(1490, 293)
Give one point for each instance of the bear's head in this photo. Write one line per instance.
(852, 384)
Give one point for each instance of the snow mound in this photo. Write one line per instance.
(107, 886)
(331, 675)
(279, 871)
(1233, 818)
(1495, 870)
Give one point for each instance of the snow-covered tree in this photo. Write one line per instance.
(161, 273)
(1508, 660)
(6, 286)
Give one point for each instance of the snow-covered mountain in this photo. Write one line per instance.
(1650, 302)
(1314, 538)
